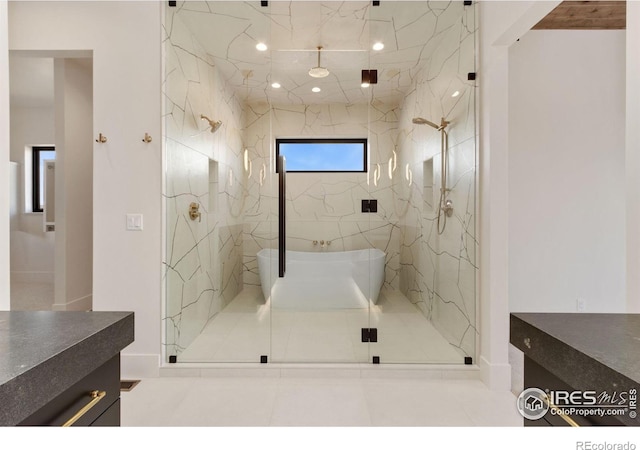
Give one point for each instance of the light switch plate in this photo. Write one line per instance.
(134, 222)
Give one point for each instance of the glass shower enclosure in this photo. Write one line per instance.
(320, 182)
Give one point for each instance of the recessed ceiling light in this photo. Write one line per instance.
(275, 85)
(261, 46)
(378, 46)
(316, 89)
(455, 94)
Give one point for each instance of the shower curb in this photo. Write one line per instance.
(369, 371)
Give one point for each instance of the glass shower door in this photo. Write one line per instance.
(423, 117)
(320, 124)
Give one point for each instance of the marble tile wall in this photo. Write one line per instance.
(438, 271)
(203, 263)
(323, 206)
(208, 262)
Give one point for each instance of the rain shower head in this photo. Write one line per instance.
(214, 125)
(421, 121)
(319, 71)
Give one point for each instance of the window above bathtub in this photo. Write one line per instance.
(323, 155)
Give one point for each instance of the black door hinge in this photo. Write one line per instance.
(370, 206)
(369, 335)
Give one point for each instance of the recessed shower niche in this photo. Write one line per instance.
(213, 186)
(427, 189)
(388, 288)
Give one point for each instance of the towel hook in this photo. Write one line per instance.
(101, 138)
(146, 138)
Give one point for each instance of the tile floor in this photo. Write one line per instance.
(31, 296)
(247, 328)
(320, 401)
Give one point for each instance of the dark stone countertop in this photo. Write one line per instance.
(594, 351)
(43, 353)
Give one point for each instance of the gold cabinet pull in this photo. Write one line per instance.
(559, 413)
(101, 139)
(96, 397)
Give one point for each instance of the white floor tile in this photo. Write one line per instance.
(404, 334)
(328, 401)
(314, 402)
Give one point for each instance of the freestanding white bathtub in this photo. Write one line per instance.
(322, 280)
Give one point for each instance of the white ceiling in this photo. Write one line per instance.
(411, 31)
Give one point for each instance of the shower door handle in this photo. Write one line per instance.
(282, 230)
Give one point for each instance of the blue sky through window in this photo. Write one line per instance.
(324, 156)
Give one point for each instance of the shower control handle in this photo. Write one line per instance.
(448, 207)
(194, 212)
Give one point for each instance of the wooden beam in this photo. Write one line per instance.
(586, 15)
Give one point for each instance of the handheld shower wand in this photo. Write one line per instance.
(445, 205)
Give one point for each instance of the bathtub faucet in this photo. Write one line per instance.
(323, 244)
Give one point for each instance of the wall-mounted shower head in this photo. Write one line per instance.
(214, 125)
(421, 121)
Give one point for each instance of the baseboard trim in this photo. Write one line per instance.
(497, 377)
(80, 304)
(283, 370)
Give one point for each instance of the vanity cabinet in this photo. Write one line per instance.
(102, 412)
(593, 356)
(536, 376)
(55, 366)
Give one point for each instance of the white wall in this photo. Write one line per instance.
(32, 250)
(566, 171)
(73, 184)
(4, 160)
(125, 40)
(633, 156)
(501, 24)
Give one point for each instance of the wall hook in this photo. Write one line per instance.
(101, 139)
(146, 138)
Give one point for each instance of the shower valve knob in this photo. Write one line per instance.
(194, 212)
